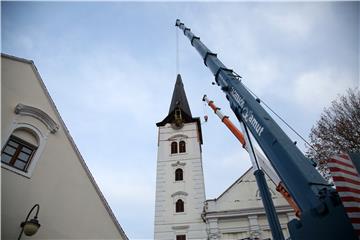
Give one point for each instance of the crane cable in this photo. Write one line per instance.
(251, 148)
(266, 105)
(177, 52)
(277, 115)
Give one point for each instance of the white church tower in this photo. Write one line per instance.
(180, 191)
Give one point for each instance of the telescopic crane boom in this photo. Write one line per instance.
(320, 205)
(263, 162)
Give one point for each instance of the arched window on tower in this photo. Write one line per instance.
(182, 146)
(181, 237)
(178, 174)
(179, 206)
(174, 147)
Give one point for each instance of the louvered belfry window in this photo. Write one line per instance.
(182, 146)
(174, 147)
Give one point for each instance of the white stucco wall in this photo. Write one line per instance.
(239, 213)
(71, 206)
(168, 223)
(244, 194)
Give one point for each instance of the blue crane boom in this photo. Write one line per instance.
(318, 201)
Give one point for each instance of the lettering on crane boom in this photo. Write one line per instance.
(247, 115)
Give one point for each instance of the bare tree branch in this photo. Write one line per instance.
(338, 130)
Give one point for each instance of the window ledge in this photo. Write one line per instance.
(178, 154)
(15, 170)
(179, 213)
(179, 182)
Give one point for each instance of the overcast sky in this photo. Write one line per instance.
(111, 68)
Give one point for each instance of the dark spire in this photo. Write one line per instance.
(179, 99)
(179, 102)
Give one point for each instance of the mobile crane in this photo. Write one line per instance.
(322, 213)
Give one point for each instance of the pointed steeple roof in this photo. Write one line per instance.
(179, 99)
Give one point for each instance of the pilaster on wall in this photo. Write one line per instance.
(255, 231)
(213, 229)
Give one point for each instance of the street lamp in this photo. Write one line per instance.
(30, 227)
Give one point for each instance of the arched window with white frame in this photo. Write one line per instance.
(174, 147)
(20, 149)
(182, 146)
(26, 139)
(179, 206)
(179, 174)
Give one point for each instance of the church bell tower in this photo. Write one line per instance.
(180, 190)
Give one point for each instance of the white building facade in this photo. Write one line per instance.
(180, 191)
(181, 211)
(40, 164)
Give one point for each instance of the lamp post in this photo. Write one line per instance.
(30, 227)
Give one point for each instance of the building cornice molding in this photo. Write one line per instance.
(179, 193)
(180, 227)
(176, 136)
(25, 110)
(178, 163)
(244, 212)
